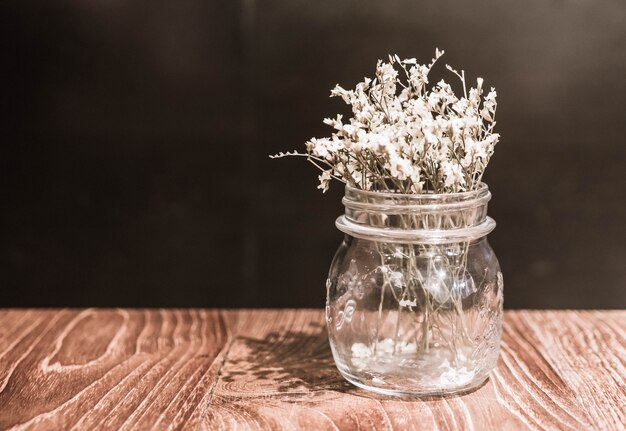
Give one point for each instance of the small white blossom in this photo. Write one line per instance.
(453, 175)
(324, 181)
(400, 167)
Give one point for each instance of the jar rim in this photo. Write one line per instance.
(482, 188)
(432, 217)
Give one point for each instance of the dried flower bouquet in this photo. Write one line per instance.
(410, 140)
(405, 137)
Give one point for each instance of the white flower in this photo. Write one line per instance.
(400, 167)
(318, 147)
(489, 106)
(453, 175)
(324, 181)
(335, 123)
(418, 77)
(341, 92)
(385, 71)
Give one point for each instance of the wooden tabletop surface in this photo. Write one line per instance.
(272, 369)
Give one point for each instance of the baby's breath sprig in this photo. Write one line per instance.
(406, 138)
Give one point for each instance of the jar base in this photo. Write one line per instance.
(415, 392)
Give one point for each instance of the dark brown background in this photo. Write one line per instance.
(135, 136)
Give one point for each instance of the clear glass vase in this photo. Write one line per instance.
(414, 294)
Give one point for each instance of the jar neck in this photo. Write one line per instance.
(431, 218)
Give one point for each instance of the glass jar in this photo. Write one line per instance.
(414, 293)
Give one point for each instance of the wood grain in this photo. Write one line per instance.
(272, 369)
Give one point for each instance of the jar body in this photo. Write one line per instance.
(415, 316)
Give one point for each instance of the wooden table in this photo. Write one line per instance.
(272, 369)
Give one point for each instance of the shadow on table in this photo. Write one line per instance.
(296, 362)
(290, 361)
